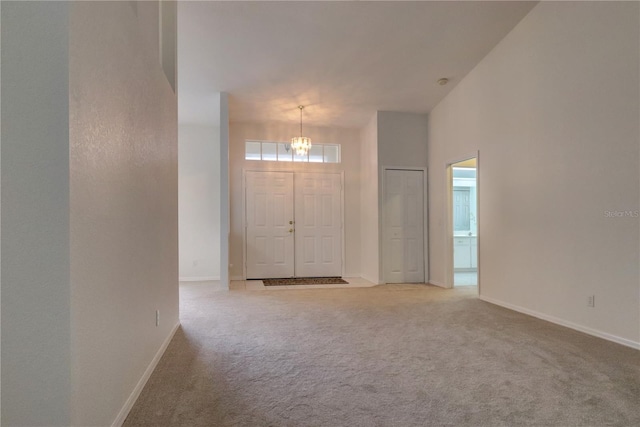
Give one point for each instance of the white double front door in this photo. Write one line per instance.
(293, 224)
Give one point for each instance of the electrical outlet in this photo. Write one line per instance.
(157, 317)
(591, 301)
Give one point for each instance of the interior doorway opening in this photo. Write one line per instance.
(464, 222)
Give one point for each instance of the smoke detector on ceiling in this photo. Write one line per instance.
(443, 81)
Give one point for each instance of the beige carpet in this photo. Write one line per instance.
(393, 355)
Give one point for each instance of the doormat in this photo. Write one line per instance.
(305, 281)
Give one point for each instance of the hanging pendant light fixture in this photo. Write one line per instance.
(301, 144)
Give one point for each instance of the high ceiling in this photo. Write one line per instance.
(342, 60)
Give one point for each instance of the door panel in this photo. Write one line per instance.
(318, 234)
(461, 212)
(404, 226)
(269, 208)
(461, 253)
(473, 247)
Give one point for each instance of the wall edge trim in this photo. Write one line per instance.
(370, 279)
(198, 278)
(562, 322)
(131, 400)
(436, 283)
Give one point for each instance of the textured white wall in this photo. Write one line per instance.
(0, 219)
(124, 207)
(350, 141)
(35, 215)
(369, 226)
(225, 209)
(553, 110)
(148, 14)
(199, 200)
(402, 139)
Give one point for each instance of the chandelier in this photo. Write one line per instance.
(301, 144)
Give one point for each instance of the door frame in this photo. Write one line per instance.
(294, 172)
(449, 267)
(425, 220)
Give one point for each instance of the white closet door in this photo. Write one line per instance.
(403, 226)
(318, 226)
(269, 211)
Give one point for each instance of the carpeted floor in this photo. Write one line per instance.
(393, 355)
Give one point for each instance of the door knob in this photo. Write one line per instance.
(291, 230)
(290, 222)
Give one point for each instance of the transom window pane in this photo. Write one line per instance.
(303, 158)
(331, 153)
(253, 151)
(269, 151)
(315, 154)
(282, 152)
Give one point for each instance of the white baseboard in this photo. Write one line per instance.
(565, 323)
(369, 279)
(436, 283)
(199, 279)
(122, 415)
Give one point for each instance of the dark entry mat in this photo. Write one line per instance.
(305, 281)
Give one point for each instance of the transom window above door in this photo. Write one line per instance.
(282, 152)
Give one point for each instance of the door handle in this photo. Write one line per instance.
(290, 222)
(291, 230)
